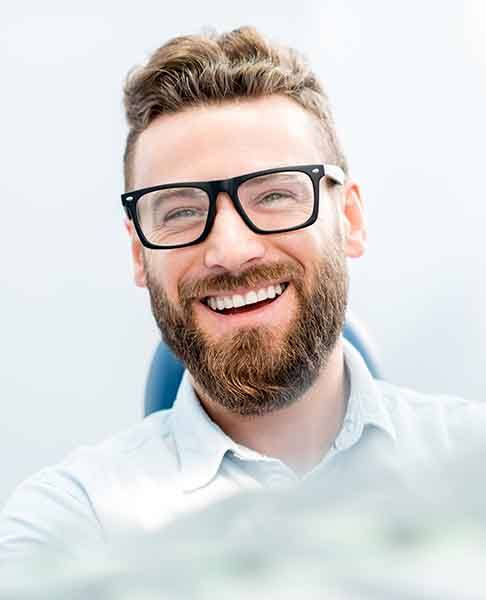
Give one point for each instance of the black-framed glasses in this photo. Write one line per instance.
(271, 201)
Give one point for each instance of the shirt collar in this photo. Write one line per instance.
(365, 403)
(202, 445)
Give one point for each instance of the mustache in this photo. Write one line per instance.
(256, 276)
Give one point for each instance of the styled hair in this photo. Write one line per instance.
(209, 69)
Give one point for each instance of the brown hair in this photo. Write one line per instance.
(206, 69)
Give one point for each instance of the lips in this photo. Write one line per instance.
(247, 308)
(224, 302)
(251, 307)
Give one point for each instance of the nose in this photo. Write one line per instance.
(231, 245)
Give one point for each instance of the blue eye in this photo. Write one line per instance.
(272, 197)
(185, 215)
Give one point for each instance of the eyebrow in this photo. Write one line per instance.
(261, 179)
(169, 193)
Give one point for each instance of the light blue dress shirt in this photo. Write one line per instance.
(179, 460)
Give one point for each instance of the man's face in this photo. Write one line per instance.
(259, 358)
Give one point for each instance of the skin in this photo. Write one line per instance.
(222, 141)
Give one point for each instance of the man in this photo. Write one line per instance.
(241, 214)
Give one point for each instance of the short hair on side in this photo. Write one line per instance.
(211, 68)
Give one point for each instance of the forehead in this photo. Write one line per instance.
(226, 140)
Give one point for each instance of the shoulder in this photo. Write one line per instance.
(154, 430)
(436, 420)
(98, 464)
(77, 494)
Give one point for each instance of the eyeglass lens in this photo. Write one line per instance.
(272, 202)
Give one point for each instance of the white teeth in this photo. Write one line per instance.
(222, 302)
(238, 301)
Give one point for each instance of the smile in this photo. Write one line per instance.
(236, 303)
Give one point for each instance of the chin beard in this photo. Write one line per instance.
(255, 371)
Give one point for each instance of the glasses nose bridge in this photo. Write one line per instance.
(229, 187)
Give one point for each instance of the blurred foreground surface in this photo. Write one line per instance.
(423, 537)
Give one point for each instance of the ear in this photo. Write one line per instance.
(139, 274)
(355, 233)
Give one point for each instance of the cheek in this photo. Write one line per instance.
(171, 269)
(157, 269)
(330, 225)
(316, 238)
(303, 245)
(328, 218)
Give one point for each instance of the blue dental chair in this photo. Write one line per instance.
(166, 370)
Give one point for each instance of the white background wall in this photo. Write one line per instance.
(408, 84)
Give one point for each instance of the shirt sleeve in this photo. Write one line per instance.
(49, 512)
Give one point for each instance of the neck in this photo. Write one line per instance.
(301, 434)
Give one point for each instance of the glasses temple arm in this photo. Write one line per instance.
(335, 173)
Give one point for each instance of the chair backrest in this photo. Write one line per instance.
(166, 370)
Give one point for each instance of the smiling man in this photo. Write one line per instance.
(245, 267)
(241, 214)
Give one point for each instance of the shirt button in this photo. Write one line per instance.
(349, 425)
